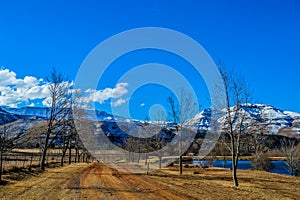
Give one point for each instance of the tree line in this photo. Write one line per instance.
(60, 125)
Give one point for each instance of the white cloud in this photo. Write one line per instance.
(7, 77)
(16, 91)
(118, 102)
(103, 95)
(142, 105)
(30, 80)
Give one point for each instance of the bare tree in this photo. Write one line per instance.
(260, 161)
(257, 142)
(4, 145)
(235, 124)
(66, 137)
(131, 145)
(222, 148)
(291, 153)
(77, 117)
(70, 139)
(65, 143)
(180, 114)
(58, 111)
(161, 119)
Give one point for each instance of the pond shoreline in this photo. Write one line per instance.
(279, 166)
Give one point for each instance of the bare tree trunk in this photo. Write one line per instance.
(291, 169)
(139, 156)
(234, 162)
(180, 149)
(44, 152)
(70, 151)
(63, 157)
(148, 168)
(234, 176)
(64, 150)
(291, 154)
(1, 164)
(180, 164)
(3, 143)
(79, 156)
(76, 154)
(160, 160)
(181, 113)
(30, 164)
(146, 158)
(43, 158)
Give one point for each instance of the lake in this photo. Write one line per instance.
(280, 166)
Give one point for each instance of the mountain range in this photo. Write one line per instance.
(274, 120)
(256, 116)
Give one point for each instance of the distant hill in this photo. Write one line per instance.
(30, 120)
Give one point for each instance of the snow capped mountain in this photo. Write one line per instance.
(38, 112)
(273, 120)
(42, 112)
(201, 121)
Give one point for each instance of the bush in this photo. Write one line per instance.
(262, 163)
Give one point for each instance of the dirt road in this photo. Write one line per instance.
(101, 182)
(81, 181)
(97, 181)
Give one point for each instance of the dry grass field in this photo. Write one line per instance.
(24, 158)
(97, 181)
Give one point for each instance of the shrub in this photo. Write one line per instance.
(262, 163)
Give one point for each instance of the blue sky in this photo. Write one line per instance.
(257, 39)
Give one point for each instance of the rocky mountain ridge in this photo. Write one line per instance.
(274, 120)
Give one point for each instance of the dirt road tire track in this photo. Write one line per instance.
(97, 181)
(88, 181)
(103, 182)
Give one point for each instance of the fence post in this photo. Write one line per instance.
(24, 161)
(30, 164)
(16, 161)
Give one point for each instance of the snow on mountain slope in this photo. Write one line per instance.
(42, 112)
(270, 118)
(201, 121)
(29, 111)
(293, 114)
